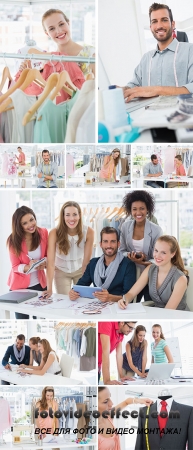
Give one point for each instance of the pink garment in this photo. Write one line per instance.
(12, 168)
(5, 415)
(180, 170)
(107, 172)
(70, 168)
(48, 422)
(5, 160)
(109, 443)
(73, 70)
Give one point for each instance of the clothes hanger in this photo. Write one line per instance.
(51, 83)
(5, 75)
(65, 83)
(15, 86)
(29, 77)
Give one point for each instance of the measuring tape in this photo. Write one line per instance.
(146, 424)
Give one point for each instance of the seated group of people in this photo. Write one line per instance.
(38, 351)
(163, 277)
(154, 169)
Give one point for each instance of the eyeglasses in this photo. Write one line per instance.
(131, 328)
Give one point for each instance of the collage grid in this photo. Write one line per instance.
(96, 170)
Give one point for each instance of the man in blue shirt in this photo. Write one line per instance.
(18, 353)
(167, 70)
(113, 272)
(153, 169)
(47, 172)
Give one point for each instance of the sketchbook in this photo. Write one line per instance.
(131, 308)
(35, 265)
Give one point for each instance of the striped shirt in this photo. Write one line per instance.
(158, 352)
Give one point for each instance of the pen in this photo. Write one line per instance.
(29, 257)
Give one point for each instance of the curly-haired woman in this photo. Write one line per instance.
(139, 234)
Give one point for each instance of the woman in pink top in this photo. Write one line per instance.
(109, 167)
(179, 166)
(47, 401)
(112, 441)
(21, 157)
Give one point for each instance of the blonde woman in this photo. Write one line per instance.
(47, 401)
(159, 348)
(110, 166)
(49, 361)
(70, 247)
(167, 278)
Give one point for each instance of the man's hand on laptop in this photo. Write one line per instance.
(103, 296)
(73, 295)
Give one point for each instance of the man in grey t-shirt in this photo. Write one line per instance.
(166, 70)
(47, 172)
(153, 169)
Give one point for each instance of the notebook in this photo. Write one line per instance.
(17, 296)
(34, 265)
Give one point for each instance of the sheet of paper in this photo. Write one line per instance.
(131, 308)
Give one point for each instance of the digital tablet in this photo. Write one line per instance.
(86, 291)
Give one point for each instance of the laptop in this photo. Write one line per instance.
(17, 297)
(160, 371)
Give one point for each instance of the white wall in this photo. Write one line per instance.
(7, 207)
(120, 40)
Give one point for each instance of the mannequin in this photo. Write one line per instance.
(177, 431)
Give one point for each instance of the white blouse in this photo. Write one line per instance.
(55, 366)
(73, 260)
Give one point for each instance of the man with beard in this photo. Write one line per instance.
(167, 70)
(47, 172)
(113, 272)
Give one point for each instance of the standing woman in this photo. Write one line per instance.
(139, 234)
(69, 249)
(21, 157)
(159, 348)
(27, 244)
(110, 166)
(47, 401)
(135, 357)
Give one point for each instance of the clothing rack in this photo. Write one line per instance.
(61, 58)
(81, 324)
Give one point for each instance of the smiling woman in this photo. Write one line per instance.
(27, 244)
(138, 233)
(69, 249)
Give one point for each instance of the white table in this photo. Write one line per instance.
(37, 380)
(99, 185)
(138, 182)
(60, 444)
(170, 381)
(111, 314)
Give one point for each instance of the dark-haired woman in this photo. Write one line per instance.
(135, 357)
(138, 235)
(27, 243)
(69, 249)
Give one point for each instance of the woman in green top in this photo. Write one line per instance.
(159, 348)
